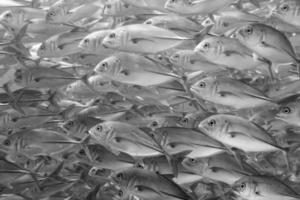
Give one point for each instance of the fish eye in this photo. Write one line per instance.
(120, 193)
(206, 45)
(202, 84)
(138, 188)
(212, 123)
(7, 142)
(112, 35)
(43, 47)
(225, 24)
(51, 13)
(149, 22)
(81, 152)
(243, 186)
(286, 110)
(70, 123)
(176, 56)
(101, 170)
(284, 8)
(86, 41)
(18, 74)
(108, 6)
(185, 120)
(160, 57)
(172, 145)
(99, 128)
(8, 15)
(104, 65)
(154, 124)
(126, 5)
(249, 30)
(120, 176)
(82, 56)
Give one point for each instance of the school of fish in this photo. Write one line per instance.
(150, 100)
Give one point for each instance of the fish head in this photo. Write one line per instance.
(209, 47)
(115, 8)
(289, 113)
(102, 132)
(204, 87)
(108, 65)
(175, 5)
(42, 50)
(110, 9)
(121, 177)
(196, 165)
(151, 21)
(98, 171)
(249, 35)
(102, 83)
(19, 76)
(115, 39)
(70, 125)
(87, 43)
(243, 187)
(9, 18)
(55, 13)
(211, 126)
(286, 9)
(181, 57)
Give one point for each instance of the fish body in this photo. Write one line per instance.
(133, 69)
(229, 52)
(174, 140)
(238, 132)
(186, 7)
(267, 42)
(150, 185)
(230, 92)
(288, 11)
(264, 187)
(43, 77)
(122, 137)
(137, 38)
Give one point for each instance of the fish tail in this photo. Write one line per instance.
(14, 100)
(201, 34)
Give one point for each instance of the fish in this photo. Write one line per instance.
(230, 92)
(149, 4)
(175, 23)
(58, 44)
(149, 184)
(221, 168)
(92, 43)
(173, 140)
(66, 11)
(116, 137)
(132, 69)
(239, 133)
(136, 38)
(268, 43)
(287, 11)
(192, 61)
(120, 8)
(289, 113)
(186, 7)
(229, 52)
(263, 187)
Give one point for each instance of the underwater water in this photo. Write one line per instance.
(149, 99)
